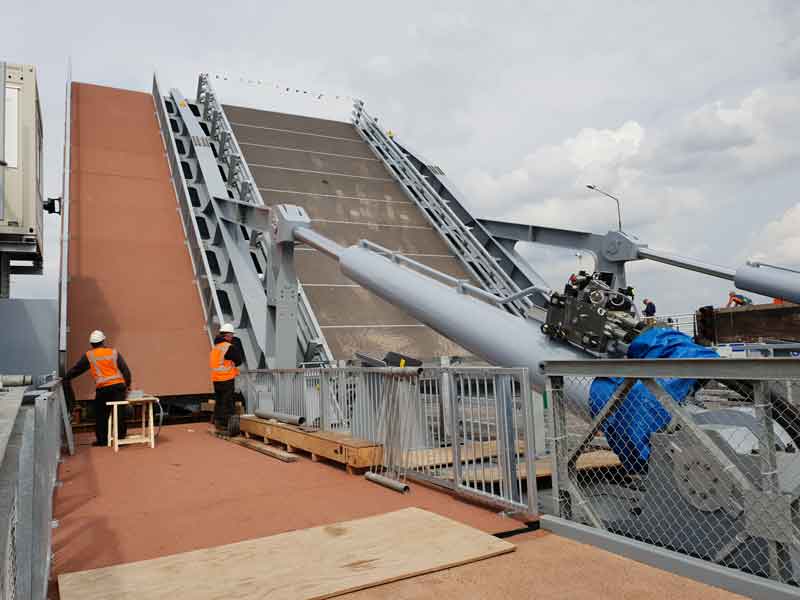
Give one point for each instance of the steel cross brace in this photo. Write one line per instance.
(277, 224)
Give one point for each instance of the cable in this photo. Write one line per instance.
(160, 417)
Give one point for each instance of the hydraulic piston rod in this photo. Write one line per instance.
(489, 332)
(768, 280)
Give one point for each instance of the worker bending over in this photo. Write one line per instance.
(736, 299)
(112, 378)
(226, 356)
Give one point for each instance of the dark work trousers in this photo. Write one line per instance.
(111, 393)
(223, 407)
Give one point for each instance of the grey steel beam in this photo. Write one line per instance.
(63, 279)
(241, 268)
(686, 566)
(279, 224)
(318, 242)
(2, 139)
(692, 368)
(249, 215)
(611, 251)
(203, 277)
(687, 263)
(243, 188)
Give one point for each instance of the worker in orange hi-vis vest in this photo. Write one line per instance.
(226, 356)
(112, 379)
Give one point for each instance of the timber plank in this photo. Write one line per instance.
(265, 449)
(352, 452)
(316, 563)
(477, 472)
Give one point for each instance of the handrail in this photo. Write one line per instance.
(241, 172)
(489, 274)
(211, 306)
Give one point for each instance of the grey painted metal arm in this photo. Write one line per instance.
(769, 280)
(611, 251)
(615, 248)
(489, 332)
(687, 263)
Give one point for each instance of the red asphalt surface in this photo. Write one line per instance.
(196, 491)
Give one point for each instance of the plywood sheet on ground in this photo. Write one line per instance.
(321, 562)
(129, 269)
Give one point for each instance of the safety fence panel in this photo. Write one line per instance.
(473, 428)
(467, 429)
(701, 460)
(32, 425)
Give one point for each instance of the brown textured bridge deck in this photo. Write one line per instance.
(129, 269)
(325, 167)
(195, 491)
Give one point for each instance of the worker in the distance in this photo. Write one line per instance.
(736, 299)
(226, 356)
(112, 379)
(649, 311)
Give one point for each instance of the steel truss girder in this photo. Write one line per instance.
(242, 187)
(482, 264)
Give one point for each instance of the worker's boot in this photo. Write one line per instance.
(233, 426)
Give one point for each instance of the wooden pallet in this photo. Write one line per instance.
(351, 452)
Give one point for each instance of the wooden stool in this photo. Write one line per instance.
(148, 434)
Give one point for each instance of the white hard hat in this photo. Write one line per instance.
(226, 328)
(97, 337)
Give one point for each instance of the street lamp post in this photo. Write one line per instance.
(619, 210)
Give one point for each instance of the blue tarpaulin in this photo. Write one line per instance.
(629, 428)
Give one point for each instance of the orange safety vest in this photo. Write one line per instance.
(221, 369)
(104, 368)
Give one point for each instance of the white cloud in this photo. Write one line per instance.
(691, 119)
(779, 241)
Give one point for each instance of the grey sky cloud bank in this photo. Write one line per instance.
(687, 111)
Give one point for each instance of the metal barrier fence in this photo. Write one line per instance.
(683, 322)
(32, 428)
(468, 429)
(695, 456)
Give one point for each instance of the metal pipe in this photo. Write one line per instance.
(687, 263)
(476, 326)
(317, 241)
(775, 282)
(279, 416)
(769, 280)
(443, 277)
(397, 486)
(15, 380)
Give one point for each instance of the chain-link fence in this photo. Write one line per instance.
(468, 429)
(699, 457)
(32, 428)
